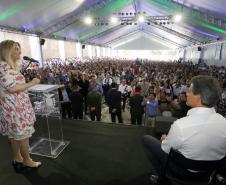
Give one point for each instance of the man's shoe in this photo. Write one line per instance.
(154, 179)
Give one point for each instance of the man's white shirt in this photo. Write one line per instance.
(124, 88)
(201, 135)
(107, 81)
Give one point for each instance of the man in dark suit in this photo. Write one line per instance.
(114, 102)
(76, 102)
(94, 104)
(66, 110)
(136, 109)
(84, 84)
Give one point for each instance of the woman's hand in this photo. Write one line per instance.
(23, 87)
(35, 81)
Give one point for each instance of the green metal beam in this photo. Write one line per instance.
(189, 15)
(13, 10)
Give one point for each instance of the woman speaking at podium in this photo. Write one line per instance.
(16, 113)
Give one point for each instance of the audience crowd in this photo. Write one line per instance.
(142, 87)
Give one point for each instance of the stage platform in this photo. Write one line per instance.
(98, 154)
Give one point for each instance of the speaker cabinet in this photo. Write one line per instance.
(42, 42)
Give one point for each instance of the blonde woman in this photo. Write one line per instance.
(16, 114)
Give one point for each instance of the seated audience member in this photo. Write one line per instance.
(94, 104)
(201, 135)
(136, 107)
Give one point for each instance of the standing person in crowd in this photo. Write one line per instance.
(114, 102)
(222, 103)
(152, 109)
(125, 90)
(94, 101)
(93, 84)
(192, 135)
(164, 106)
(76, 102)
(65, 102)
(179, 106)
(145, 87)
(136, 69)
(136, 107)
(17, 116)
(176, 87)
(84, 84)
(107, 83)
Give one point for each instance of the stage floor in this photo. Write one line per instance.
(98, 154)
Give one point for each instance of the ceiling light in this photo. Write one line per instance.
(177, 18)
(114, 20)
(141, 19)
(88, 20)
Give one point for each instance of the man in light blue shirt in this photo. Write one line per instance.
(152, 108)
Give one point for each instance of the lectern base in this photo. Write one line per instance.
(48, 148)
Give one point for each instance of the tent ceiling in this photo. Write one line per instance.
(203, 21)
(142, 41)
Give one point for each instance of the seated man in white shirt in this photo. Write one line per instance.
(201, 135)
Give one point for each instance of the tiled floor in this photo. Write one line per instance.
(105, 116)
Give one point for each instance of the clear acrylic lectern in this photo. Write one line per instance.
(45, 101)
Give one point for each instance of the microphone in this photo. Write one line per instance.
(30, 59)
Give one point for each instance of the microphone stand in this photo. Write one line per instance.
(23, 72)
